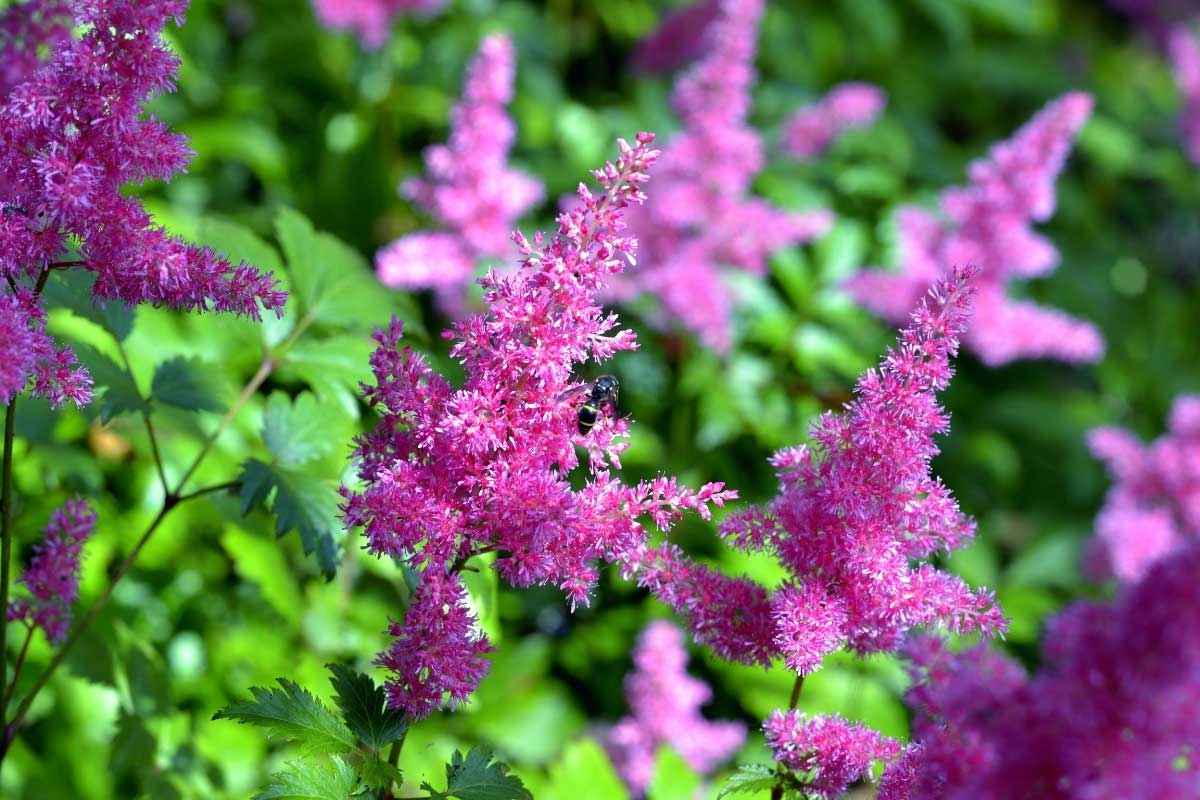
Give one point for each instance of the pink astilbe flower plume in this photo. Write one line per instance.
(28, 354)
(1183, 49)
(826, 752)
(1111, 714)
(813, 128)
(470, 189)
(1153, 507)
(371, 20)
(52, 577)
(450, 472)
(678, 39)
(987, 224)
(72, 136)
(701, 221)
(855, 510)
(665, 701)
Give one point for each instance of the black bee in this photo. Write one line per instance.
(601, 399)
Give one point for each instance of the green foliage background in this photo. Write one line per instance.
(283, 114)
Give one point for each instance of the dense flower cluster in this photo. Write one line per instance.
(28, 353)
(1183, 47)
(987, 224)
(666, 702)
(1153, 507)
(72, 134)
(854, 510)
(470, 188)
(827, 751)
(370, 19)
(450, 473)
(26, 28)
(700, 220)
(1112, 713)
(52, 577)
(813, 128)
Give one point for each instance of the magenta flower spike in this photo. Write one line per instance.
(72, 135)
(665, 701)
(831, 752)
(450, 472)
(1153, 507)
(855, 510)
(469, 188)
(52, 577)
(701, 222)
(1111, 714)
(371, 20)
(987, 224)
(847, 106)
(1183, 49)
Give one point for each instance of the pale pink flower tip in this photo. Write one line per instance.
(52, 577)
(1153, 507)
(988, 224)
(813, 128)
(827, 752)
(665, 701)
(371, 20)
(1183, 47)
(701, 223)
(468, 187)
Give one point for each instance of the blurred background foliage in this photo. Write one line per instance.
(281, 113)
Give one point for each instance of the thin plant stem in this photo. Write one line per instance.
(10, 420)
(220, 487)
(20, 662)
(793, 701)
(170, 501)
(158, 462)
(81, 627)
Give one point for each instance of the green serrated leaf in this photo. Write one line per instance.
(332, 367)
(121, 394)
(379, 775)
(291, 713)
(302, 502)
(185, 383)
(327, 779)
(332, 281)
(749, 779)
(72, 289)
(364, 708)
(239, 243)
(477, 777)
(295, 429)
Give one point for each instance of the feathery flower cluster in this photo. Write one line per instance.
(1183, 48)
(678, 39)
(371, 20)
(72, 135)
(813, 128)
(828, 751)
(452, 473)
(854, 510)
(25, 28)
(27, 352)
(470, 188)
(52, 577)
(1153, 507)
(666, 702)
(700, 220)
(1112, 714)
(987, 224)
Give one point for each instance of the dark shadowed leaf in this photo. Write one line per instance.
(186, 383)
(477, 777)
(302, 503)
(364, 708)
